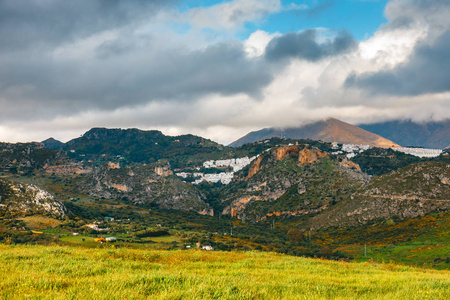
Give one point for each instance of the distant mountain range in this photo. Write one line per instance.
(329, 130)
(409, 133)
(383, 135)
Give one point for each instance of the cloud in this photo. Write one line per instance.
(233, 14)
(41, 87)
(305, 45)
(34, 23)
(427, 69)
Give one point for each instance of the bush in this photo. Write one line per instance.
(151, 233)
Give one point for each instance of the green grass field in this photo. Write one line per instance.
(50, 272)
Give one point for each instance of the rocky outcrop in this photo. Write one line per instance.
(23, 199)
(294, 213)
(445, 180)
(119, 187)
(350, 165)
(310, 156)
(207, 212)
(305, 155)
(238, 205)
(254, 168)
(71, 169)
(283, 151)
(113, 165)
(163, 171)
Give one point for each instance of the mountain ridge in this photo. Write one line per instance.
(329, 130)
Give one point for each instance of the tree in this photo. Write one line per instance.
(295, 235)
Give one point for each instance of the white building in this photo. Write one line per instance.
(224, 178)
(420, 152)
(95, 227)
(183, 174)
(236, 163)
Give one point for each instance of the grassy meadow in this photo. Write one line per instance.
(50, 272)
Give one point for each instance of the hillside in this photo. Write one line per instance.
(409, 133)
(151, 184)
(415, 190)
(290, 181)
(379, 161)
(18, 199)
(25, 157)
(329, 130)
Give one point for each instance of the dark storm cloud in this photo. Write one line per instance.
(28, 23)
(304, 45)
(126, 70)
(403, 14)
(123, 78)
(426, 71)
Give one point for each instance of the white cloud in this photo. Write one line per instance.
(256, 44)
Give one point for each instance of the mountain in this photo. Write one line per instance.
(140, 146)
(329, 130)
(409, 133)
(52, 144)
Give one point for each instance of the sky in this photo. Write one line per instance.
(218, 68)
